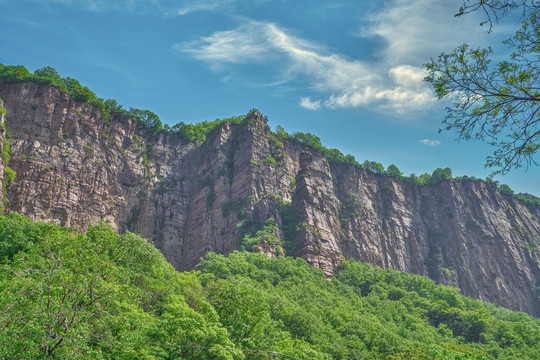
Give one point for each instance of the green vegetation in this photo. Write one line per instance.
(88, 151)
(48, 75)
(494, 99)
(530, 200)
(268, 234)
(100, 295)
(195, 133)
(9, 174)
(364, 312)
(254, 230)
(438, 175)
(198, 133)
(335, 156)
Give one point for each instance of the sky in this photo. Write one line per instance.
(348, 71)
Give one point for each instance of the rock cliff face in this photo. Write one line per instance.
(245, 188)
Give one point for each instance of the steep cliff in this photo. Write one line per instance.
(246, 188)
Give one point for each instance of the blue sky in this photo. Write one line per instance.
(349, 71)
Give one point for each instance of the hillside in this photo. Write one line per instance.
(100, 295)
(242, 186)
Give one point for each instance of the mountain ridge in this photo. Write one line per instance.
(243, 187)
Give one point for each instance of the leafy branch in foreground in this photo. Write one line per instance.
(494, 10)
(495, 102)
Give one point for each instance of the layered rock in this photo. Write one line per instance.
(75, 169)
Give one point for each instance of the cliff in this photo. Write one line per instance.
(246, 188)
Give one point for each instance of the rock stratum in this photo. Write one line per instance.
(243, 183)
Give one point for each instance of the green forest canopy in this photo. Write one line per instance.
(101, 295)
(197, 133)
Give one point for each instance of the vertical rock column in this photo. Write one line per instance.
(314, 201)
(2, 139)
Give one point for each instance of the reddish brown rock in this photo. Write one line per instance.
(74, 169)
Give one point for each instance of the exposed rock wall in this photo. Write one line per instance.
(75, 169)
(2, 139)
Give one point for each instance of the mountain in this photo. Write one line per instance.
(242, 186)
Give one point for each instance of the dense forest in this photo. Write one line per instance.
(101, 295)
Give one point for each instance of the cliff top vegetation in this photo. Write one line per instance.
(197, 133)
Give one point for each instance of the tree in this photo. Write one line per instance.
(496, 102)
(373, 167)
(439, 175)
(393, 171)
(308, 140)
(77, 91)
(147, 118)
(12, 73)
(49, 74)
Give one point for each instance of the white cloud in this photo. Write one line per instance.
(415, 30)
(410, 31)
(311, 105)
(349, 83)
(430, 142)
(247, 43)
(161, 7)
(190, 6)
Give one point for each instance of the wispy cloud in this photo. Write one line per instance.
(350, 83)
(410, 31)
(429, 142)
(415, 30)
(160, 7)
(305, 102)
(190, 6)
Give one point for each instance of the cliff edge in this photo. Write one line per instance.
(245, 188)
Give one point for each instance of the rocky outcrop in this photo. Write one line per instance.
(246, 188)
(2, 141)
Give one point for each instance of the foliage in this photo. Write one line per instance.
(334, 156)
(147, 118)
(373, 167)
(437, 176)
(9, 174)
(364, 312)
(98, 295)
(311, 141)
(198, 133)
(394, 172)
(440, 175)
(268, 234)
(101, 295)
(531, 201)
(78, 92)
(496, 102)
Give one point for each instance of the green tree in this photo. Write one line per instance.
(12, 73)
(309, 140)
(77, 91)
(373, 167)
(394, 172)
(98, 295)
(506, 190)
(147, 118)
(49, 74)
(495, 102)
(439, 175)
(112, 105)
